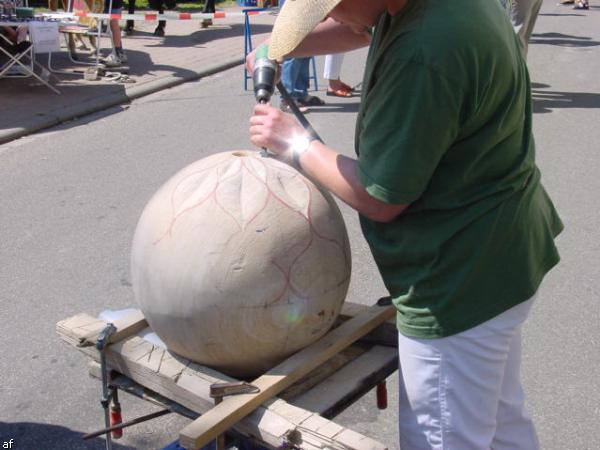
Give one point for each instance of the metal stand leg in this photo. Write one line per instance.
(248, 40)
(314, 71)
(106, 395)
(247, 46)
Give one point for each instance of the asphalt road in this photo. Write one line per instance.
(71, 198)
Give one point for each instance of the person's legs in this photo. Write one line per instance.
(114, 7)
(331, 72)
(287, 76)
(158, 6)
(209, 7)
(523, 14)
(117, 57)
(453, 390)
(293, 78)
(303, 78)
(131, 10)
(115, 29)
(333, 66)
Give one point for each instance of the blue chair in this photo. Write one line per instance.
(248, 49)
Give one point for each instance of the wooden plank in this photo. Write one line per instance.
(335, 393)
(276, 424)
(128, 325)
(323, 371)
(385, 334)
(226, 414)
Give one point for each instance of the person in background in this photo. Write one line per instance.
(577, 4)
(17, 36)
(522, 15)
(331, 72)
(295, 78)
(160, 6)
(117, 57)
(131, 10)
(209, 8)
(17, 43)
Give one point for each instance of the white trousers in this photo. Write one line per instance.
(333, 66)
(464, 392)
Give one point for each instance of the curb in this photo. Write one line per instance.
(110, 100)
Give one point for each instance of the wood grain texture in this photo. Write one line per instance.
(85, 329)
(225, 415)
(334, 394)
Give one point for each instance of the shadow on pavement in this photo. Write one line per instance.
(51, 106)
(330, 107)
(139, 63)
(561, 15)
(210, 34)
(19, 92)
(31, 435)
(564, 40)
(546, 101)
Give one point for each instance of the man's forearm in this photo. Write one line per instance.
(339, 174)
(331, 37)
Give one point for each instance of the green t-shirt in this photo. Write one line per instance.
(445, 126)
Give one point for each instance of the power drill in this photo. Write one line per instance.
(263, 75)
(264, 79)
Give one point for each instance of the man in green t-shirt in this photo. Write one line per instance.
(449, 199)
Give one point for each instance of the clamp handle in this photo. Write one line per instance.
(105, 335)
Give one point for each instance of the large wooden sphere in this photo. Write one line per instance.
(238, 261)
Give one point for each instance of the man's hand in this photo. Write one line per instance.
(274, 130)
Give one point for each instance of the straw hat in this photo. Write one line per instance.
(296, 19)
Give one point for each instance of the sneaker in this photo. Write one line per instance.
(123, 57)
(112, 60)
(206, 23)
(310, 100)
(160, 31)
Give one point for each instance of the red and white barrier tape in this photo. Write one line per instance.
(155, 16)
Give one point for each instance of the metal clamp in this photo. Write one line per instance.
(101, 344)
(220, 390)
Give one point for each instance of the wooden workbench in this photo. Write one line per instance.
(297, 418)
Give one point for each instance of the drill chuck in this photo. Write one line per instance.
(263, 77)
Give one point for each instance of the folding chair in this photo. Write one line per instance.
(19, 63)
(22, 58)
